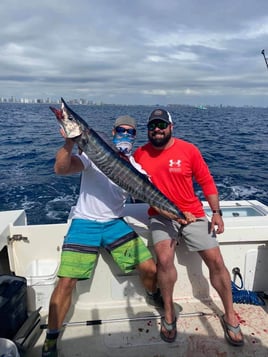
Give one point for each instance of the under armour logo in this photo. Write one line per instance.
(174, 163)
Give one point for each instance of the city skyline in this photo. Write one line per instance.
(83, 101)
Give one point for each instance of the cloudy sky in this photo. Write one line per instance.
(135, 51)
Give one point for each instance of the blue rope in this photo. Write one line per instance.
(243, 296)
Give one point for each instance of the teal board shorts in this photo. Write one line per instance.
(85, 237)
(196, 235)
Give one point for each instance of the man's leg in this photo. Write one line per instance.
(60, 302)
(59, 305)
(147, 271)
(167, 277)
(221, 281)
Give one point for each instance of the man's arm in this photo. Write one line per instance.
(66, 163)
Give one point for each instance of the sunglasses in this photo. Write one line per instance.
(121, 130)
(157, 124)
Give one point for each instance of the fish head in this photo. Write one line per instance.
(68, 121)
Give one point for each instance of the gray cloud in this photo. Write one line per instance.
(135, 52)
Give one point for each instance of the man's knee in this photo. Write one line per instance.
(66, 284)
(147, 268)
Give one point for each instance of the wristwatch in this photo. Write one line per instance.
(217, 211)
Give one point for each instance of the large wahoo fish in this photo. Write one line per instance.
(109, 161)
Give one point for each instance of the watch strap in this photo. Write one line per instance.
(217, 211)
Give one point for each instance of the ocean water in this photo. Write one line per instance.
(233, 142)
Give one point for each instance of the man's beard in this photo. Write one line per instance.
(158, 142)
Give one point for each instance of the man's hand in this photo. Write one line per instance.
(189, 217)
(216, 220)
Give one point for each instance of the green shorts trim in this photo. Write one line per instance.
(76, 265)
(128, 255)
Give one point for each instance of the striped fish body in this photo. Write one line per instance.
(109, 161)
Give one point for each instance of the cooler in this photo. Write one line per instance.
(13, 304)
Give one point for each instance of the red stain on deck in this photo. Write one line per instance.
(240, 320)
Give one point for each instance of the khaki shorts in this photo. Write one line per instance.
(196, 235)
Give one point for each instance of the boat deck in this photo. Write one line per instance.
(198, 336)
(129, 327)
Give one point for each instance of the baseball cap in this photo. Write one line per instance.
(125, 120)
(160, 114)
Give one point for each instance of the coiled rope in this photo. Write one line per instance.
(243, 296)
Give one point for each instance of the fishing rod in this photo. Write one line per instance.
(265, 58)
(124, 319)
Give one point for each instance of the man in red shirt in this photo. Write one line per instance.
(172, 164)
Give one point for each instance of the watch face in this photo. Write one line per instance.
(217, 211)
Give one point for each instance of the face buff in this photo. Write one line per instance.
(124, 142)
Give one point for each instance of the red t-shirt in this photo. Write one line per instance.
(172, 171)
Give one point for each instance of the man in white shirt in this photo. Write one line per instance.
(97, 221)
